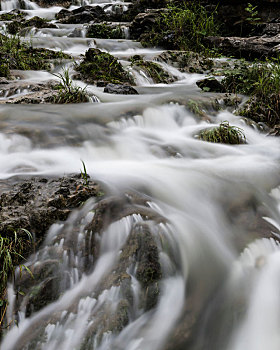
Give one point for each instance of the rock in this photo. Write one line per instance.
(50, 3)
(153, 70)
(15, 26)
(210, 85)
(105, 31)
(101, 66)
(120, 89)
(83, 14)
(34, 204)
(188, 61)
(144, 22)
(250, 48)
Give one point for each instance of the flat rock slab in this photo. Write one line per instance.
(250, 48)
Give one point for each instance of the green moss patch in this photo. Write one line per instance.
(104, 31)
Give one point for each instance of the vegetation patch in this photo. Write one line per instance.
(15, 54)
(101, 66)
(182, 27)
(224, 133)
(13, 247)
(105, 31)
(68, 92)
(260, 80)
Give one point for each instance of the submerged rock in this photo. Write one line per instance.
(120, 89)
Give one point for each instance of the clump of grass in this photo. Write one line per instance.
(12, 249)
(84, 174)
(183, 26)
(224, 133)
(67, 91)
(261, 80)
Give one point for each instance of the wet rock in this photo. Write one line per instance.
(12, 15)
(50, 3)
(84, 14)
(15, 26)
(101, 66)
(12, 92)
(120, 89)
(250, 48)
(153, 70)
(210, 84)
(187, 61)
(37, 203)
(144, 22)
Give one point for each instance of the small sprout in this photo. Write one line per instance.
(84, 174)
(224, 133)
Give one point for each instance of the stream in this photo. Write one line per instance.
(213, 213)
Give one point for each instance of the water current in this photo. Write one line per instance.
(218, 209)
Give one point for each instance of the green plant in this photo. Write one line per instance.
(260, 80)
(67, 92)
(252, 13)
(84, 174)
(183, 26)
(224, 133)
(12, 248)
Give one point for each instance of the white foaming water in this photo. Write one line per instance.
(144, 144)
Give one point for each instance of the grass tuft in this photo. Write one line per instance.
(224, 133)
(67, 91)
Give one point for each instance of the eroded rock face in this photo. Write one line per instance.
(35, 204)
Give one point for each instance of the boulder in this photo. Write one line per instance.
(101, 66)
(210, 85)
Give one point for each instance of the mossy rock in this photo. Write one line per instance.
(100, 66)
(224, 133)
(105, 31)
(12, 15)
(17, 55)
(153, 70)
(38, 22)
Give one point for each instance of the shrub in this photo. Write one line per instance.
(183, 27)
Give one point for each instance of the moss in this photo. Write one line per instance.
(101, 66)
(12, 16)
(104, 31)
(153, 70)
